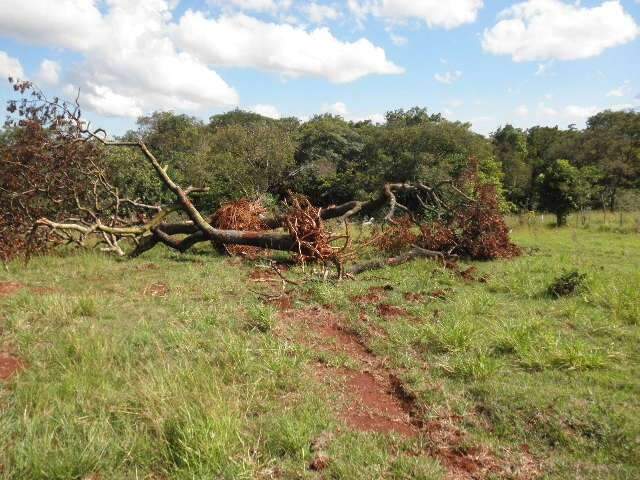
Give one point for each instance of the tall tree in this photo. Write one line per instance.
(612, 142)
(510, 145)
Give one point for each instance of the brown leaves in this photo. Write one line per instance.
(477, 230)
(43, 168)
(397, 238)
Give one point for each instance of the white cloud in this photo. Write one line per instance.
(375, 118)
(522, 111)
(553, 29)
(622, 106)
(580, 112)
(569, 113)
(242, 41)
(75, 24)
(49, 72)
(136, 58)
(546, 111)
(435, 13)
(398, 40)
(360, 9)
(622, 91)
(270, 6)
(131, 65)
(320, 13)
(266, 111)
(10, 67)
(448, 77)
(543, 67)
(338, 108)
(105, 101)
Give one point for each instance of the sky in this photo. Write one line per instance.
(491, 62)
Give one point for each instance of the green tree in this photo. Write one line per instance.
(510, 145)
(612, 142)
(564, 187)
(247, 160)
(327, 159)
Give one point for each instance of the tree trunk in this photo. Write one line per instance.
(561, 219)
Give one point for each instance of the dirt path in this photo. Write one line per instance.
(374, 399)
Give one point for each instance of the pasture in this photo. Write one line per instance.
(195, 366)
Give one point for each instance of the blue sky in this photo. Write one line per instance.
(550, 62)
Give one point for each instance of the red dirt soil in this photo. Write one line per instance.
(373, 295)
(261, 275)
(284, 302)
(390, 311)
(414, 297)
(9, 365)
(160, 290)
(9, 288)
(375, 400)
(370, 400)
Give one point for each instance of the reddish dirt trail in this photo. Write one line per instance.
(371, 403)
(375, 400)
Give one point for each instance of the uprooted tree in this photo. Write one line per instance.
(54, 190)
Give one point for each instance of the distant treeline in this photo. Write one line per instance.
(331, 160)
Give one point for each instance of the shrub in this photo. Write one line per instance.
(567, 284)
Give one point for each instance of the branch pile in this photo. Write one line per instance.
(476, 230)
(397, 238)
(83, 208)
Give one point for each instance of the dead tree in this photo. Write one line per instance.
(100, 216)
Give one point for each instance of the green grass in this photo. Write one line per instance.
(197, 383)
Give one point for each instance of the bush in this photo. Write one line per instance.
(567, 284)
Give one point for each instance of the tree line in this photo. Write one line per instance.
(330, 160)
(560, 171)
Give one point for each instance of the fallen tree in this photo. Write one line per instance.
(87, 210)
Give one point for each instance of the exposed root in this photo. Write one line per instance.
(313, 242)
(243, 215)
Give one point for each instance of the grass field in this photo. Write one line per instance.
(171, 367)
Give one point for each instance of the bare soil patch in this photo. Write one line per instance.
(374, 399)
(390, 311)
(9, 365)
(440, 294)
(370, 399)
(9, 288)
(261, 275)
(282, 302)
(373, 295)
(44, 290)
(414, 297)
(159, 290)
